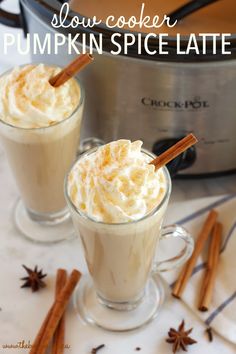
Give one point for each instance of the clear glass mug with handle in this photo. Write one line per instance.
(39, 158)
(123, 291)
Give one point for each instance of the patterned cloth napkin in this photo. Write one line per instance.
(221, 315)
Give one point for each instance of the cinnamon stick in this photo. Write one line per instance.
(61, 273)
(59, 336)
(39, 336)
(71, 70)
(174, 151)
(210, 263)
(56, 312)
(211, 271)
(188, 268)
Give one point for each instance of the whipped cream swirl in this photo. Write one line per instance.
(116, 184)
(27, 100)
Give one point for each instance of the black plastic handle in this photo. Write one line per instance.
(9, 19)
(188, 9)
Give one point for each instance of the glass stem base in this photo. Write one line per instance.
(120, 317)
(121, 306)
(43, 228)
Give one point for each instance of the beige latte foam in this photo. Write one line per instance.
(116, 183)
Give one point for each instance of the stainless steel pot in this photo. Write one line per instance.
(157, 101)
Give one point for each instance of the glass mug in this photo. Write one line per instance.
(39, 159)
(124, 292)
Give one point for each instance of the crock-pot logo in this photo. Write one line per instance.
(195, 104)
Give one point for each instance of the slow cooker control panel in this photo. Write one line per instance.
(181, 162)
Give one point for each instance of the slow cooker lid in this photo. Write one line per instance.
(219, 17)
(44, 9)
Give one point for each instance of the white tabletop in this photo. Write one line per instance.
(22, 312)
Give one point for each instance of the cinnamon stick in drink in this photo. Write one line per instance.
(71, 70)
(59, 336)
(211, 271)
(188, 268)
(56, 312)
(174, 151)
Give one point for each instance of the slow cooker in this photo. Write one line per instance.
(154, 98)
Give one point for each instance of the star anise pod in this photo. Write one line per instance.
(209, 334)
(180, 338)
(34, 279)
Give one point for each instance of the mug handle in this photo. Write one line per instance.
(175, 231)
